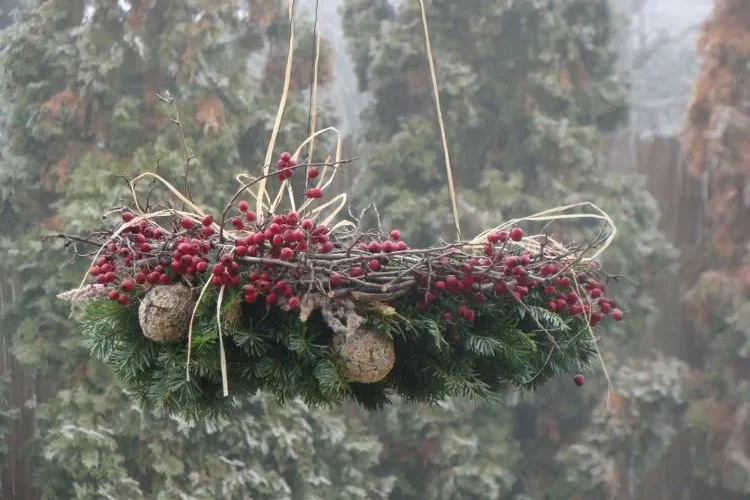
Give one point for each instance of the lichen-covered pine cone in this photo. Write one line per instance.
(367, 356)
(165, 312)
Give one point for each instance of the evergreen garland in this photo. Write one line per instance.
(273, 350)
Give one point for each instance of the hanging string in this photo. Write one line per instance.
(313, 80)
(436, 93)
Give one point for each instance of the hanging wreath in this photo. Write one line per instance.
(193, 311)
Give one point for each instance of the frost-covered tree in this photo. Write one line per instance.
(79, 83)
(716, 139)
(528, 88)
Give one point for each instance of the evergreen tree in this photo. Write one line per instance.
(527, 91)
(716, 139)
(79, 82)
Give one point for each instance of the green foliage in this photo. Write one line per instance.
(528, 89)
(99, 445)
(510, 346)
(77, 81)
(639, 427)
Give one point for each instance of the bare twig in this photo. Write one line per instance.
(169, 99)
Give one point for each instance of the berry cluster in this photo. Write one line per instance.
(505, 269)
(287, 165)
(275, 257)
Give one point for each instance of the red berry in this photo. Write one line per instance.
(617, 314)
(140, 277)
(186, 222)
(395, 235)
(271, 299)
(314, 193)
(285, 157)
(250, 298)
(242, 206)
(502, 236)
(277, 240)
(374, 247)
(286, 253)
(605, 307)
(110, 277)
(207, 231)
(307, 224)
(595, 318)
(448, 316)
(357, 271)
(238, 224)
(374, 264)
(440, 285)
(113, 295)
(164, 279)
(123, 299)
(312, 172)
(207, 220)
(401, 246)
(95, 270)
(327, 247)
(128, 216)
(250, 216)
(127, 285)
(578, 379)
(516, 234)
(493, 237)
(294, 303)
(336, 279)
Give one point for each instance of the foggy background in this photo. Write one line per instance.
(650, 129)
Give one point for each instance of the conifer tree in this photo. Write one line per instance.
(528, 89)
(716, 139)
(79, 82)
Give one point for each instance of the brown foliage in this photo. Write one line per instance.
(262, 12)
(208, 114)
(418, 80)
(66, 105)
(717, 128)
(138, 15)
(302, 69)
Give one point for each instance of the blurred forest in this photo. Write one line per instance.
(640, 106)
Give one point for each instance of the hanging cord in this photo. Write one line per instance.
(448, 169)
(313, 81)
